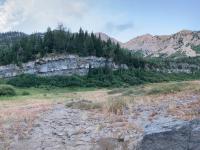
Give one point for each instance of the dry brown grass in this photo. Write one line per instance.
(140, 96)
(17, 118)
(115, 106)
(95, 96)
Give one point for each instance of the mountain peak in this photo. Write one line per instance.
(185, 31)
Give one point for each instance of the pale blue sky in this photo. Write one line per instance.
(122, 19)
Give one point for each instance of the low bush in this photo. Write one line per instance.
(101, 78)
(25, 93)
(7, 90)
(83, 105)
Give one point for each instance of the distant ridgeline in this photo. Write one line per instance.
(60, 52)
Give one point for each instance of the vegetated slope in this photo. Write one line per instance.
(22, 48)
(183, 43)
(62, 41)
(9, 38)
(179, 44)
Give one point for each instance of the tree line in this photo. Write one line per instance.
(18, 48)
(62, 41)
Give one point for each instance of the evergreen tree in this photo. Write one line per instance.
(48, 41)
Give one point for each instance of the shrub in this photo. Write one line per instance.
(101, 78)
(25, 81)
(7, 90)
(24, 93)
(83, 105)
(115, 106)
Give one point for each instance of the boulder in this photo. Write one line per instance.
(182, 136)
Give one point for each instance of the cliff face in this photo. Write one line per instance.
(71, 64)
(57, 65)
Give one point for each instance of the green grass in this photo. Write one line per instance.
(153, 89)
(43, 93)
(168, 88)
(101, 78)
(55, 92)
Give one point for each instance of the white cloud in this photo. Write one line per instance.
(36, 14)
(116, 27)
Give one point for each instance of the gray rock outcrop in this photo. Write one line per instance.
(183, 136)
(71, 64)
(57, 65)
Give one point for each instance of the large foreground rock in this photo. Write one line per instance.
(183, 136)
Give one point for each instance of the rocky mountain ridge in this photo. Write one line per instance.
(179, 44)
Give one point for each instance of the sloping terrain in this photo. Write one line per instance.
(183, 43)
(9, 38)
(180, 43)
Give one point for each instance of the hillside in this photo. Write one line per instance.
(182, 42)
(8, 38)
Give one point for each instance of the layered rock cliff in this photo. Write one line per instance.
(68, 65)
(57, 65)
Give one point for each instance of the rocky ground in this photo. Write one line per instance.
(66, 128)
(149, 122)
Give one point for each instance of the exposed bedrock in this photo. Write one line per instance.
(58, 65)
(183, 136)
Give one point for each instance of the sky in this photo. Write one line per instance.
(121, 19)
